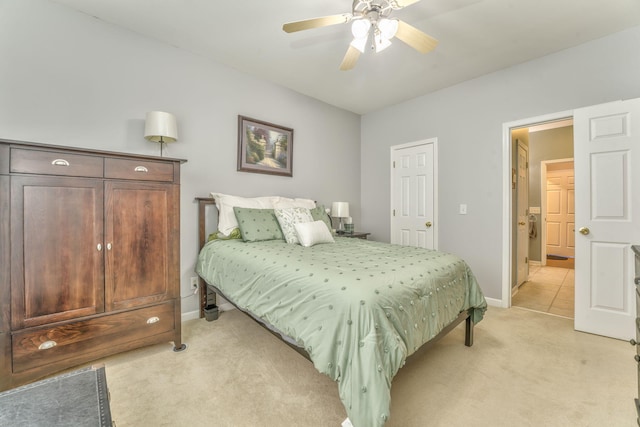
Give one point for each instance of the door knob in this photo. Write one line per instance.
(584, 230)
(427, 224)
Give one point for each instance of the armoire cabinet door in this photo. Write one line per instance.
(57, 259)
(141, 226)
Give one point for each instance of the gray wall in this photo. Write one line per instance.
(544, 145)
(69, 79)
(467, 119)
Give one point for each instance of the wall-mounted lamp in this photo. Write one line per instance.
(340, 210)
(160, 127)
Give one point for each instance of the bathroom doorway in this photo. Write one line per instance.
(550, 282)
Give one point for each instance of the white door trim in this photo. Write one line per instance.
(394, 148)
(507, 217)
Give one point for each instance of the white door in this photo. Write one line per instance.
(607, 171)
(522, 253)
(413, 194)
(560, 215)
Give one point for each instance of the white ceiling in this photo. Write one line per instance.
(476, 37)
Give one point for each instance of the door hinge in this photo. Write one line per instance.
(526, 260)
(394, 212)
(394, 164)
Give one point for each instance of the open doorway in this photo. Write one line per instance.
(606, 223)
(546, 219)
(557, 245)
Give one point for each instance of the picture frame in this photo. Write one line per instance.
(264, 147)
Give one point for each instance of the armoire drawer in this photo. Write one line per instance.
(55, 163)
(34, 348)
(144, 170)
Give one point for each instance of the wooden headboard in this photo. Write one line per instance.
(206, 297)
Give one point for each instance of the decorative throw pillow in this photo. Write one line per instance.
(312, 233)
(287, 218)
(257, 224)
(319, 213)
(225, 203)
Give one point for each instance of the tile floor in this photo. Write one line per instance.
(549, 289)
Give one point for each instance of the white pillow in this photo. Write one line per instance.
(226, 217)
(287, 218)
(312, 233)
(286, 203)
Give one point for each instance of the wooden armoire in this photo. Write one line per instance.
(89, 256)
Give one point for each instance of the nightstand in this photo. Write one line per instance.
(355, 235)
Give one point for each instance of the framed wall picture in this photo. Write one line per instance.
(264, 147)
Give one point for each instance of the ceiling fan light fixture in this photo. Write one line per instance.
(360, 28)
(381, 42)
(388, 28)
(360, 43)
(370, 23)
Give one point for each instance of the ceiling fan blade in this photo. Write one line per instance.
(307, 24)
(415, 38)
(350, 59)
(399, 4)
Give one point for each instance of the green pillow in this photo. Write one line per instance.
(319, 214)
(258, 224)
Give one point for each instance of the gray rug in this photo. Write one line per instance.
(78, 398)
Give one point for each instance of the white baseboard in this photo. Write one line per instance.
(190, 315)
(494, 302)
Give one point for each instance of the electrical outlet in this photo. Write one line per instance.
(194, 283)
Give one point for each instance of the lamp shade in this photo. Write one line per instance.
(340, 209)
(160, 127)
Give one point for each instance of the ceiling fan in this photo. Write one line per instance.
(370, 20)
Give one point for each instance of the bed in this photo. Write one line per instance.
(356, 308)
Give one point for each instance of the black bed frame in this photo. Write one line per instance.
(208, 294)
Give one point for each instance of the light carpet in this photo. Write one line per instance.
(524, 369)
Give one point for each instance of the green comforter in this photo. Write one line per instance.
(358, 307)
